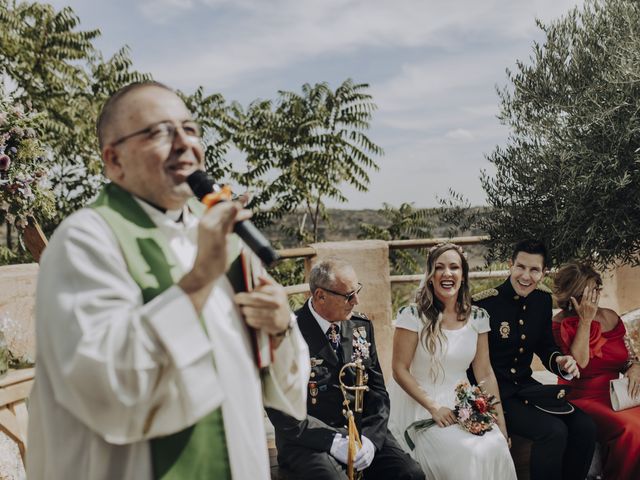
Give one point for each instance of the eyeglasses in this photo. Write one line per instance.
(347, 296)
(165, 131)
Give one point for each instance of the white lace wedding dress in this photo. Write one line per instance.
(450, 452)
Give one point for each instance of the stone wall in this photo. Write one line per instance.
(17, 300)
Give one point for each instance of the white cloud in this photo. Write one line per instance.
(268, 35)
(161, 11)
(460, 134)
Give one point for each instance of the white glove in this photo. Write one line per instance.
(365, 455)
(340, 448)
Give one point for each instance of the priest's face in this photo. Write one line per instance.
(153, 146)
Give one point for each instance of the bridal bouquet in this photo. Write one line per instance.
(475, 410)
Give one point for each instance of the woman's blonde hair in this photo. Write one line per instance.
(430, 307)
(570, 281)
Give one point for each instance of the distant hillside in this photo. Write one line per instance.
(344, 225)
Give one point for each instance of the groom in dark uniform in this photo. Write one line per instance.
(316, 448)
(520, 312)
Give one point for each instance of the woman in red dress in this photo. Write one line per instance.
(596, 339)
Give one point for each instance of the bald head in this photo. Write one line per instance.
(112, 107)
(149, 144)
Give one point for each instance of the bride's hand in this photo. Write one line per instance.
(506, 435)
(444, 416)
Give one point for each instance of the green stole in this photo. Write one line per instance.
(199, 451)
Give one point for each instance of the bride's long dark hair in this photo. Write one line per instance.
(430, 307)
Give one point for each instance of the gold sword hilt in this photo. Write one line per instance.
(359, 386)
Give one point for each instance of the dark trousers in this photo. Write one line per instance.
(390, 462)
(563, 445)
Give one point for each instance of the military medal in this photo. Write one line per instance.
(334, 336)
(360, 344)
(313, 392)
(363, 332)
(505, 329)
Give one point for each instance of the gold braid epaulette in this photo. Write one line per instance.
(490, 292)
(543, 288)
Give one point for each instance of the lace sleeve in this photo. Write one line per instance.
(408, 318)
(633, 356)
(479, 319)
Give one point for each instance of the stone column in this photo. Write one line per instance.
(370, 260)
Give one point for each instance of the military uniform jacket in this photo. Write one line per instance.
(520, 327)
(324, 398)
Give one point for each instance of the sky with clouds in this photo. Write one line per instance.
(432, 67)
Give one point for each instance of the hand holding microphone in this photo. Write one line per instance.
(211, 258)
(202, 185)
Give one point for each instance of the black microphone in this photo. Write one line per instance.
(202, 184)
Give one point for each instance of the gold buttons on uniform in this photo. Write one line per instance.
(516, 297)
(313, 374)
(523, 336)
(526, 402)
(513, 370)
(524, 307)
(515, 360)
(521, 322)
(521, 350)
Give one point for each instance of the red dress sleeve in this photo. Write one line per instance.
(555, 327)
(565, 331)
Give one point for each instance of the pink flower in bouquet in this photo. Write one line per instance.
(464, 414)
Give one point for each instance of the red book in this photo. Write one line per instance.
(252, 269)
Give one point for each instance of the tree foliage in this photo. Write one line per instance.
(53, 66)
(570, 171)
(299, 150)
(23, 168)
(403, 223)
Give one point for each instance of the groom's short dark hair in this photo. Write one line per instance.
(534, 247)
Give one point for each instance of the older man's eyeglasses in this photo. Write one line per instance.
(165, 132)
(347, 296)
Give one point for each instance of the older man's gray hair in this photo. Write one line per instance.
(323, 274)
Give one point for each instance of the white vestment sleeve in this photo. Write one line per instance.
(119, 366)
(285, 385)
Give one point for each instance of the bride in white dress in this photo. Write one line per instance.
(435, 342)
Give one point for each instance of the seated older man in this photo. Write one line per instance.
(317, 446)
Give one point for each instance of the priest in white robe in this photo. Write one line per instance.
(144, 364)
